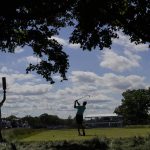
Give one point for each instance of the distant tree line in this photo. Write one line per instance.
(43, 121)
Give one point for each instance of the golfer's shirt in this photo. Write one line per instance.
(80, 110)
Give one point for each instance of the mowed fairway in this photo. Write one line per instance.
(71, 134)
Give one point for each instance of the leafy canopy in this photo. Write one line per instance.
(33, 23)
(135, 106)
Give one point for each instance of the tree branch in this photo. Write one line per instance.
(4, 98)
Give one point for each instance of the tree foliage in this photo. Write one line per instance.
(34, 22)
(135, 106)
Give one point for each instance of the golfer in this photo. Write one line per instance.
(79, 116)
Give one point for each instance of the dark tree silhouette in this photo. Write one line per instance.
(97, 21)
(34, 22)
(1, 104)
(135, 106)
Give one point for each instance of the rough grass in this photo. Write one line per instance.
(19, 133)
(94, 144)
(134, 143)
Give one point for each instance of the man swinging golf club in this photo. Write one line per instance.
(79, 116)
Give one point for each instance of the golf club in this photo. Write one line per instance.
(83, 97)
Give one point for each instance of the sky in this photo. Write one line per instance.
(102, 74)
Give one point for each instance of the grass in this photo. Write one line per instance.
(71, 134)
(100, 138)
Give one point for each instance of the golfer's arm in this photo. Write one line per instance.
(78, 103)
(75, 104)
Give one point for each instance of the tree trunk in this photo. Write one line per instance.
(1, 104)
(1, 138)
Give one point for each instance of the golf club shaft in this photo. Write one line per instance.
(82, 97)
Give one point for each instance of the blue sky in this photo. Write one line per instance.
(102, 74)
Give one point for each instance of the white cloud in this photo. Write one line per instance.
(5, 69)
(30, 59)
(28, 89)
(60, 40)
(74, 46)
(66, 43)
(103, 90)
(33, 60)
(19, 49)
(84, 77)
(108, 81)
(21, 77)
(122, 83)
(128, 59)
(25, 95)
(125, 42)
(115, 62)
(14, 78)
